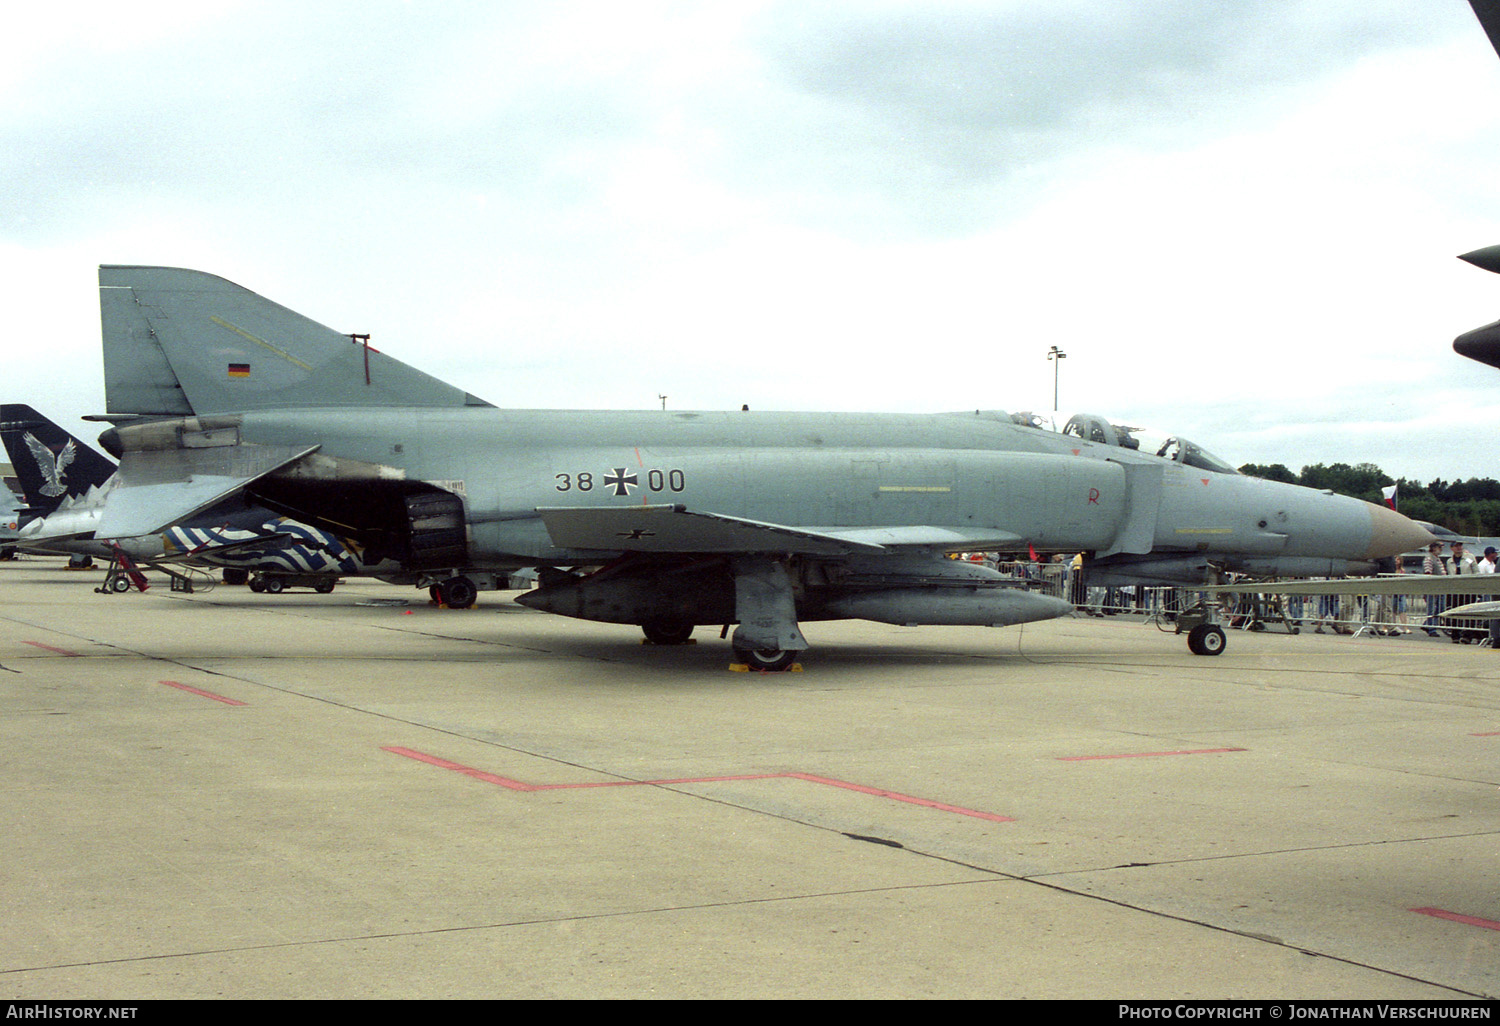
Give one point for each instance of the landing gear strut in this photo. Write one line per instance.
(768, 638)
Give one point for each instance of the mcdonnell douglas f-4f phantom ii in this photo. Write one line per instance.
(764, 520)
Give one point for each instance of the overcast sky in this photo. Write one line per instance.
(1239, 220)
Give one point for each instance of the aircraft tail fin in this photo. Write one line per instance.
(1488, 13)
(51, 465)
(179, 342)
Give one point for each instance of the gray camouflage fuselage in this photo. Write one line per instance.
(974, 472)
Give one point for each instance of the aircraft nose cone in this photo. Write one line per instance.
(1482, 344)
(1487, 259)
(1391, 534)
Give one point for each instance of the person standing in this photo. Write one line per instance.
(1432, 565)
(1460, 562)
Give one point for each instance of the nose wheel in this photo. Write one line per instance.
(1205, 637)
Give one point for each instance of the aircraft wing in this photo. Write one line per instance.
(945, 539)
(1396, 584)
(157, 488)
(674, 528)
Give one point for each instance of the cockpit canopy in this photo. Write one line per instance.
(1093, 428)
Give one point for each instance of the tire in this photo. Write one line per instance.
(767, 660)
(273, 585)
(235, 575)
(324, 587)
(1206, 639)
(662, 632)
(120, 584)
(459, 593)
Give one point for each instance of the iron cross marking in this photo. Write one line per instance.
(621, 482)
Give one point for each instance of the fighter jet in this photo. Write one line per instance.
(666, 520)
(68, 487)
(11, 506)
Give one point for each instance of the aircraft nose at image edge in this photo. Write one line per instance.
(1391, 534)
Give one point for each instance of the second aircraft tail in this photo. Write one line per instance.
(51, 465)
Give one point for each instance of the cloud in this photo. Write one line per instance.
(873, 205)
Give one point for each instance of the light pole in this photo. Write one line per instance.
(1059, 356)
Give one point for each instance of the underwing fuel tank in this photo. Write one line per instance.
(965, 607)
(904, 592)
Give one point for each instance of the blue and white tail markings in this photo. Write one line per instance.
(314, 551)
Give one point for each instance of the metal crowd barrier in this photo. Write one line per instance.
(1378, 615)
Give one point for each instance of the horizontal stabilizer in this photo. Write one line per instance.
(157, 488)
(667, 528)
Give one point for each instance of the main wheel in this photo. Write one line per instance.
(459, 593)
(1206, 639)
(236, 575)
(664, 632)
(769, 660)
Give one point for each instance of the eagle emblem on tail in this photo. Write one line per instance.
(53, 467)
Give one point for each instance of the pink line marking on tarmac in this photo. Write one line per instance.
(201, 693)
(517, 785)
(432, 760)
(1437, 913)
(49, 648)
(1492, 733)
(881, 793)
(1147, 755)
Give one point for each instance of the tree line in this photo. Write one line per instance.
(1466, 506)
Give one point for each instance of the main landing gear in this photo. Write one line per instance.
(454, 593)
(661, 632)
(767, 638)
(766, 660)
